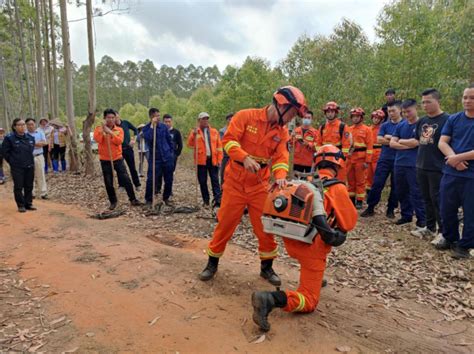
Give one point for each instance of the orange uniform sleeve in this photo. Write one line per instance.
(370, 146)
(319, 138)
(220, 151)
(98, 135)
(191, 139)
(281, 157)
(117, 137)
(233, 135)
(341, 207)
(346, 141)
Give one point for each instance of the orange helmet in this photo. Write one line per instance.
(331, 106)
(290, 95)
(329, 153)
(378, 114)
(357, 112)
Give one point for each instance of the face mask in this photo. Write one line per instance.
(306, 121)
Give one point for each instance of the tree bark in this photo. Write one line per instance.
(89, 121)
(39, 64)
(68, 80)
(47, 60)
(54, 75)
(6, 103)
(23, 55)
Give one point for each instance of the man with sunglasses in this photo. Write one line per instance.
(256, 142)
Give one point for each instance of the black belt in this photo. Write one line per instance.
(360, 149)
(262, 165)
(377, 146)
(37, 154)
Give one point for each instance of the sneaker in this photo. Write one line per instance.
(443, 244)
(22, 209)
(390, 214)
(437, 239)
(368, 212)
(422, 232)
(402, 221)
(460, 252)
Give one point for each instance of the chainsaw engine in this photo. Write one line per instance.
(288, 212)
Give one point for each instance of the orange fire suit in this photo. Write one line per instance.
(304, 153)
(312, 257)
(331, 134)
(375, 156)
(249, 134)
(216, 147)
(361, 155)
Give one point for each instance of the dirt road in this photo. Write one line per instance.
(126, 289)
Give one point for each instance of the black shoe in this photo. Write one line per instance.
(112, 206)
(443, 245)
(368, 212)
(45, 197)
(324, 283)
(353, 200)
(30, 207)
(358, 204)
(402, 221)
(460, 252)
(205, 204)
(267, 272)
(210, 270)
(22, 209)
(263, 303)
(136, 202)
(390, 214)
(421, 224)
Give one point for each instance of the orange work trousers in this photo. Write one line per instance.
(342, 173)
(370, 175)
(356, 178)
(235, 199)
(312, 259)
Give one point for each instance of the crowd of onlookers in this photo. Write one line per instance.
(429, 160)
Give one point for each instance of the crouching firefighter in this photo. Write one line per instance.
(256, 142)
(311, 220)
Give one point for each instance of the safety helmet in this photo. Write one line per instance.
(328, 153)
(331, 106)
(290, 95)
(357, 112)
(378, 114)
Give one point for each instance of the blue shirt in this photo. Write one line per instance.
(39, 136)
(406, 158)
(387, 152)
(461, 130)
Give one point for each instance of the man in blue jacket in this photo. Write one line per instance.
(457, 183)
(164, 156)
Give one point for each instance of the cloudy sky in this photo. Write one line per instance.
(208, 32)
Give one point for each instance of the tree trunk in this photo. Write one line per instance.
(4, 95)
(39, 64)
(54, 74)
(68, 80)
(47, 56)
(89, 122)
(23, 56)
(17, 110)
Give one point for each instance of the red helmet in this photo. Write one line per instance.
(331, 106)
(357, 112)
(328, 153)
(290, 95)
(378, 114)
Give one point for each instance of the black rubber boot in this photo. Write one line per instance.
(263, 303)
(353, 200)
(210, 270)
(267, 272)
(359, 205)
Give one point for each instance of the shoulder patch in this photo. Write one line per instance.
(276, 138)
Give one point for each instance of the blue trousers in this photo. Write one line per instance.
(457, 192)
(409, 194)
(164, 168)
(382, 171)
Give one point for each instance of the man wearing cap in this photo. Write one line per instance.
(207, 156)
(256, 142)
(46, 128)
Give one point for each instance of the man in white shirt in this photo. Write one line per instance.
(40, 141)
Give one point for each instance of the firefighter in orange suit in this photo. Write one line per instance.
(336, 133)
(303, 141)
(341, 218)
(360, 158)
(256, 142)
(378, 117)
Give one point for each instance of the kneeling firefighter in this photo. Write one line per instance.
(309, 231)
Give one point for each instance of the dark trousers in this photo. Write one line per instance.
(129, 157)
(213, 172)
(23, 185)
(429, 182)
(457, 192)
(46, 157)
(225, 161)
(302, 168)
(59, 153)
(409, 194)
(2, 176)
(382, 171)
(122, 176)
(162, 168)
(161, 176)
